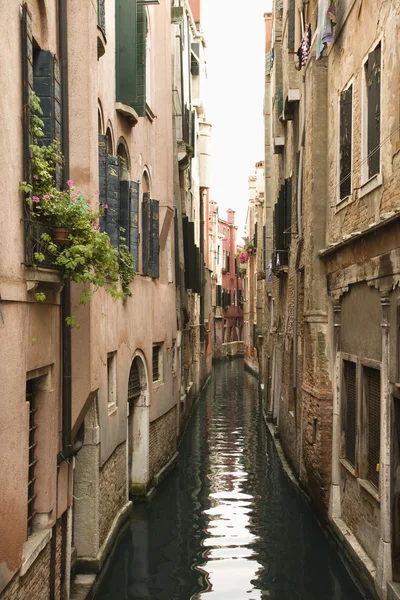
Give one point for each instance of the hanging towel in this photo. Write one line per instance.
(326, 23)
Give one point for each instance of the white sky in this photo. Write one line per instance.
(234, 32)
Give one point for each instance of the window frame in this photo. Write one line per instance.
(349, 197)
(365, 178)
(343, 403)
(160, 377)
(112, 395)
(364, 446)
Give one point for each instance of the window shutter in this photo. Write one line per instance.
(185, 230)
(374, 109)
(291, 24)
(125, 54)
(373, 393)
(27, 58)
(288, 213)
(155, 240)
(43, 86)
(227, 266)
(346, 109)
(141, 27)
(255, 234)
(264, 257)
(146, 225)
(103, 179)
(124, 216)
(113, 209)
(350, 415)
(134, 221)
(191, 263)
(219, 295)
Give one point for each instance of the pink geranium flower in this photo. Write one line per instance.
(105, 205)
(35, 199)
(70, 183)
(243, 257)
(35, 177)
(46, 197)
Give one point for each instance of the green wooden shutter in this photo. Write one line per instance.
(124, 216)
(27, 70)
(141, 29)
(374, 110)
(291, 24)
(288, 213)
(255, 234)
(125, 55)
(146, 223)
(219, 295)
(346, 109)
(155, 238)
(103, 179)
(113, 209)
(43, 86)
(191, 263)
(134, 221)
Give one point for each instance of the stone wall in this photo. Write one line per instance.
(163, 437)
(112, 486)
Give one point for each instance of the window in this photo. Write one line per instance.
(372, 114)
(350, 410)
(173, 357)
(218, 255)
(346, 116)
(372, 391)
(30, 398)
(150, 237)
(112, 379)
(157, 362)
(228, 262)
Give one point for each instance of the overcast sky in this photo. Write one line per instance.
(234, 32)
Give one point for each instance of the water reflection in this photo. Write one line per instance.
(227, 524)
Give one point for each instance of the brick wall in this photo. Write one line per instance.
(162, 441)
(112, 484)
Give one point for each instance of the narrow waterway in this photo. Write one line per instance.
(227, 523)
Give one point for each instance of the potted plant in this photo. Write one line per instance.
(73, 240)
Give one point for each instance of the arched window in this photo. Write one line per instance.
(150, 230)
(124, 190)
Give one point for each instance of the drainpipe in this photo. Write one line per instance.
(66, 451)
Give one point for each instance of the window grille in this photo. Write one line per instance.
(134, 387)
(30, 397)
(350, 410)
(373, 402)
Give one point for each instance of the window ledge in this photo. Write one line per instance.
(345, 463)
(370, 185)
(33, 547)
(341, 204)
(157, 384)
(368, 487)
(128, 112)
(149, 113)
(36, 275)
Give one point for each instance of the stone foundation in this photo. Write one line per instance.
(112, 487)
(163, 436)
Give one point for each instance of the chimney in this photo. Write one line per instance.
(231, 216)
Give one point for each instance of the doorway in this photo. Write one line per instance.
(138, 426)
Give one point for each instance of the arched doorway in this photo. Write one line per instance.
(138, 426)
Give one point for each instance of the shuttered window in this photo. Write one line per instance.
(157, 366)
(134, 221)
(373, 82)
(228, 262)
(27, 58)
(255, 234)
(372, 383)
(134, 386)
(219, 295)
(113, 196)
(150, 237)
(346, 116)
(124, 216)
(291, 24)
(350, 409)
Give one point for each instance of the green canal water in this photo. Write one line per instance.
(227, 524)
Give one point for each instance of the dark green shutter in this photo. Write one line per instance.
(287, 226)
(140, 100)
(191, 262)
(27, 72)
(374, 110)
(255, 234)
(155, 238)
(103, 179)
(134, 221)
(146, 224)
(185, 231)
(124, 224)
(126, 42)
(43, 86)
(346, 109)
(291, 24)
(113, 199)
(219, 295)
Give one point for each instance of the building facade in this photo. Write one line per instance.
(330, 328)
(97, 389)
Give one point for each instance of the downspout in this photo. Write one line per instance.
(66, 451)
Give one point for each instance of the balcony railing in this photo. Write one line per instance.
(34, 244)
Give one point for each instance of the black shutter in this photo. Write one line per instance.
(255, 234)
(191, 263)
(124, 216)
(103, 179)
(346, 110)
(350, 413)
(155, 240)
(288, 212)
(134, 221)
(27, 72)
(176, 248)
(146, 225)
(374, 109)
(196, 287)
(373, 397)
(185, 223)
(264, 257)
(113, 200)
(228, 260)
(43, 87)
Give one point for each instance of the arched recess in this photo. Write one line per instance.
(110, 139)
(40, 23)
(138, 425)
(146, 182)
(122, 152)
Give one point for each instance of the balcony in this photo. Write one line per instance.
(47, 276)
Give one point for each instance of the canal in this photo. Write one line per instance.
(227, 523)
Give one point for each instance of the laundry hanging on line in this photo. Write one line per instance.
(326, 25)
(304, 49)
